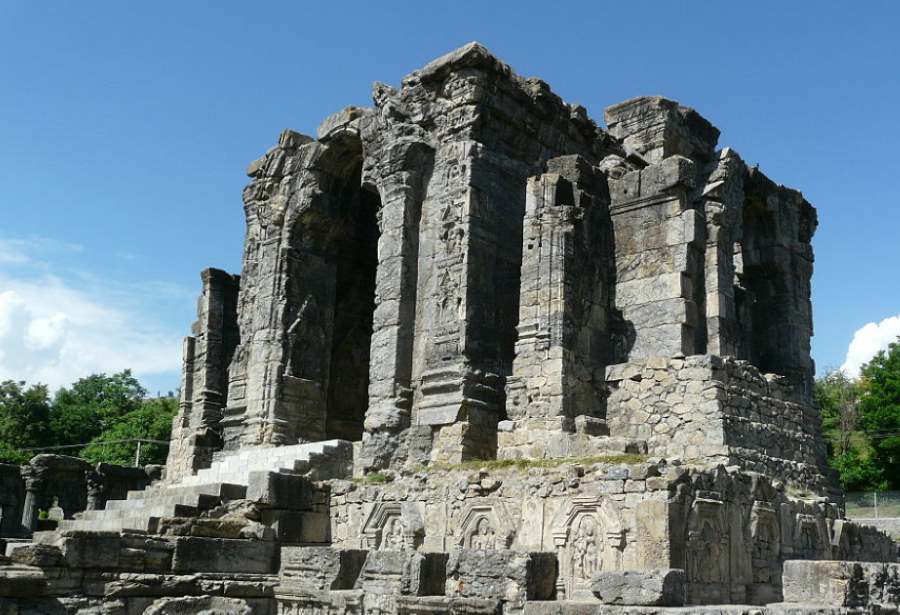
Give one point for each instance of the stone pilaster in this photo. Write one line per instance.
(563, 334)
(721, 200)
(204, 388)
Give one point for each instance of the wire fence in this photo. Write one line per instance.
(101, 443)
(873, 504)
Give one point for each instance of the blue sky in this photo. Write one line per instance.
(125, 129)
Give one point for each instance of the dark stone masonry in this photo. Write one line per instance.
(483, 357)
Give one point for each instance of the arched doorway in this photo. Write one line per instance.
(330, 293)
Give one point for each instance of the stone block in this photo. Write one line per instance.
(842, 584)
(514, 576)
(279, 490)
(202, 604)
(91, 549)
(194, 554)
(36, 555)
(21, 582)
(404, 572)
(320, 568)
(662, 587)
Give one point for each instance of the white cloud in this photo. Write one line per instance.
(867, 341)
(43, 333)
(56, 329)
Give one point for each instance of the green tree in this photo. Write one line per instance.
(24, 420)
(152, 421)
(838, 398)
(879, 411)
(92, 405)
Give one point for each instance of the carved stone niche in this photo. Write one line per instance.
(810, 537)
(485, 525)
(392, 526)
(588, 537)
(707, 552)
(765, 540)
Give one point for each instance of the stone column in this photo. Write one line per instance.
(96, 498)
(393, 330)
(30, 509)
(459, 385)
(254, 390)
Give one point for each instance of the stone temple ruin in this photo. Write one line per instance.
(486, 357)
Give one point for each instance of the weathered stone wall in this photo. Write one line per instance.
(729, 530)
(873, 587)
(591, 516)
(776, 263)
(721, 410)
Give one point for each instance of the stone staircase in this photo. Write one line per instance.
(226, 479)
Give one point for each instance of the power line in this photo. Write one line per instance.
(68, 446)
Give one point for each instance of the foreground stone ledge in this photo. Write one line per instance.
(225, 555)
(843, 583)
(640, 588)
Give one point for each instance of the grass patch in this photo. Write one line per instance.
(376, 478)
(526, 464)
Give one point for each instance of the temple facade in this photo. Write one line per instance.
(486, 357)
(472, 254)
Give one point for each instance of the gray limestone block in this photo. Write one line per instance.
(279, 490)
(193, 554)
(198, 605)
(36, 555)
(337, 122)
(515, 575)
(321, 568)
(21, 582)
(91, 549)
(662, 587)
(842, 583)
(416, 605)
(403, 572)
(591, 426)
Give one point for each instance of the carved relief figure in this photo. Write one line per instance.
(392, 538)
(765, 542)
(706, 542)
(589, 537)
(484, 525)
(482, 537)
(704, 551)
(808, 535)
(584, 549)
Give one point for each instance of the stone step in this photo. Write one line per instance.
(237, 467)
(225, 491)
(202, 501)
(226, 479)
(158, 510)
(133, 524)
